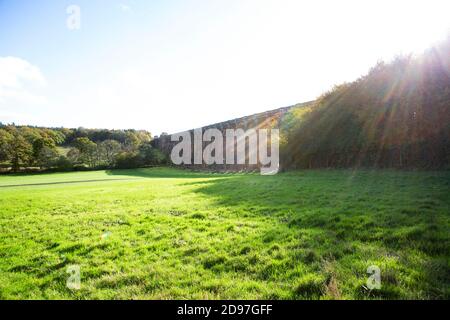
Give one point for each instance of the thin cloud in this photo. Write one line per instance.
(125, 8)
(19, 81)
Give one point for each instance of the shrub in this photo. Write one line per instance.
(150, 155)
(63, 163)
(128, 160)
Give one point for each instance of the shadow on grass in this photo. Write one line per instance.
(397, 219)
(162, 172)
(399, 209)
(400, 218)
(176, 173)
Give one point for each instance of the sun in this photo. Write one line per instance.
(419, 24)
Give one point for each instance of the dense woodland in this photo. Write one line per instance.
(398, 115)
(34, 148)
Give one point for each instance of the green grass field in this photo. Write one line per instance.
(170, 234)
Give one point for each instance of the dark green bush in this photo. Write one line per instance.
(128, 160)
(63, 164)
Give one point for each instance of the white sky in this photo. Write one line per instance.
(175, 65)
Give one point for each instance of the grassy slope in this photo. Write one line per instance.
(175, 234)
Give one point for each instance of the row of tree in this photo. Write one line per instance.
(25, 147)
(398, 115)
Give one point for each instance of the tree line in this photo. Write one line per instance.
(36, 148)
(398, 115)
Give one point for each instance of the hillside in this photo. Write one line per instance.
(398, 115)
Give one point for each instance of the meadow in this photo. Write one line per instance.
(164, 233)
